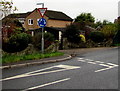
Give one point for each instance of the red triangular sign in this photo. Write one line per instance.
(42, 11)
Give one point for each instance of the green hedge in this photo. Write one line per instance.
(16, 43)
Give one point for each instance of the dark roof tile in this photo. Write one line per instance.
(19, 15)
(56, 15)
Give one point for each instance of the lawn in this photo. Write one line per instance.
(16, 58)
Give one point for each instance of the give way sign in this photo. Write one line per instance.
(42, 11)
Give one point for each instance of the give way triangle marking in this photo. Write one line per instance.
(33, 73)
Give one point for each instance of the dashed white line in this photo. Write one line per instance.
(107, 65)
(99, 62)
(82, 60)
(91, 62)
(40, 86)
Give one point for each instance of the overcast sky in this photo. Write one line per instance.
(100, 9)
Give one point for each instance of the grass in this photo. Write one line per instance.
(116, 44)
(15, 58)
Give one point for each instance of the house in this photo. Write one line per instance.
(55, 20)
(117, 20)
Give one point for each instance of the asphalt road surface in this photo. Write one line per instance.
(96, 69)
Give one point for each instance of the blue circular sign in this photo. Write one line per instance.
(42, 22)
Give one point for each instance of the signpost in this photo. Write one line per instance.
(42, 23)
(42, 11)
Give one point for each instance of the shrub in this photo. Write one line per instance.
(48, 39)
(72, 34)
(97, 36)
(109, 31)
(16, 43)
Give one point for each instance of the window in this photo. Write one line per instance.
(37, 21)
(30, 22)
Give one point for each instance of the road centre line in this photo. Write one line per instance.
(40, 86)
(66, 67)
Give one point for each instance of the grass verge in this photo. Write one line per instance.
(117, 44)
(15, 58)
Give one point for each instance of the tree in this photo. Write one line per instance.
(109, 30)
(7, 7)
(116, 39)
(85, 19)
(10, 27)
(106, 22)
(98, 24)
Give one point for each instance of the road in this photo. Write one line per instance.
(96, 69)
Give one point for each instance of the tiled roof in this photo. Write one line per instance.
(19, 15)
(57, 15)
(50, 14)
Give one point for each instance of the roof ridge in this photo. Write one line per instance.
(52, 14)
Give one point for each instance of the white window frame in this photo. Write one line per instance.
(37, 21)
(30, 22)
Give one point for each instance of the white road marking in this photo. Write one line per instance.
(40, 70)
(40, 86)
(104, 69)
(105, 65)
(82, 60)
(79, 58)
(91, 62)
(66, 67)
(112, 64)
(99, 62)
(89, 59)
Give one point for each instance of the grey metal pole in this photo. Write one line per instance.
(42, 47)
(42, 41)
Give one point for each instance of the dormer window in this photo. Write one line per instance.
(30, 21)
